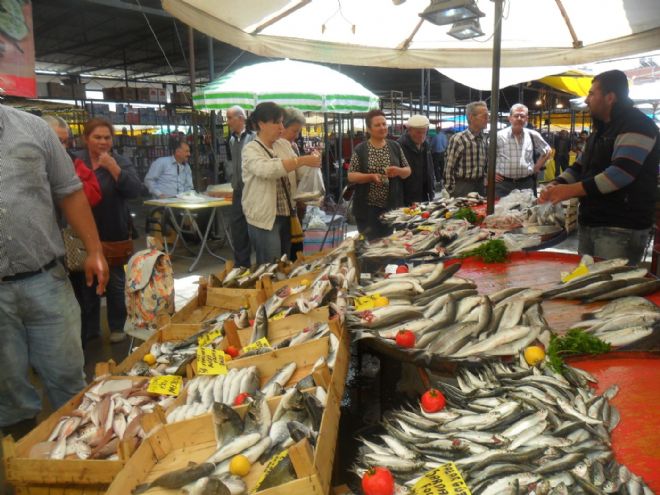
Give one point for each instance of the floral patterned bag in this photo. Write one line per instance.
(149, 289)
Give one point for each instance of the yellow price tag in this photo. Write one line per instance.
(580, 271)
(262, 342)
(278, 316)
(165, 385)
(209, 337)
(370, 302)
(210, 361)
(428, 228)
(444, 480)
(272, 464)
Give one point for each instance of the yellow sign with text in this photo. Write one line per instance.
(262, 342)
(209, 337)
(272, 464)
(210, 361)
(370, 302)
(444, 480)
(165, 385)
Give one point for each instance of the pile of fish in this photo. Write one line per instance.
(449, 318)
(258, 437)
(430, 212)
(623, 321)
(605, 280)
(202, 392)
(109, 412)
(510, 429)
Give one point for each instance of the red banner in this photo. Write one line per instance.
(17, 76)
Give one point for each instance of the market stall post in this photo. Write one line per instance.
(494, 106)
(193, 115)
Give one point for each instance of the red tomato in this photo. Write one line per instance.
(426, 214)
(378, 481)
(405, 338)
(402, 269)
(433, 401)
(232, 351)
(241, 398)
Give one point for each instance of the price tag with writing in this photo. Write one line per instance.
(210, 361)
(272, 464)
(444, 480)
(428, 228)
(370, 302)
(209, 337)
(165, 385)
(278, 316)
(262, 342)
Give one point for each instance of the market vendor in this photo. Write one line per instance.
(268, 171)
(419, 186)
(377, 167)
(170, 175)
(39, 315)
(515, 167)
(467, 154)
(616, 176)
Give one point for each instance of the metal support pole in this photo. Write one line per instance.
(195, 143)
(214, 138)
(422, 93)
(326, 149)
(494, 105)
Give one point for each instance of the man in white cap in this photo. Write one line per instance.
(419, 186)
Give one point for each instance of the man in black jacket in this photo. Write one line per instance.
(420, 185)
(616, 176)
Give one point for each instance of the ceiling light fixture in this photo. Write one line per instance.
(441, 12)
(539, 103)
(466, 29)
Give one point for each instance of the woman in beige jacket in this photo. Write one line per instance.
(269, 166)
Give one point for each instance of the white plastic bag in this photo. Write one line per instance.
(310, 186)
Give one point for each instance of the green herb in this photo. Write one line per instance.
(466, 214)
(493, 251)
(576, 341)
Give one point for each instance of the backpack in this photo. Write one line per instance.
(149, 290)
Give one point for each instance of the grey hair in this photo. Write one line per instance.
(471, 108)
(519, 105)
(293, 116)
(238, 110)
(55, 121)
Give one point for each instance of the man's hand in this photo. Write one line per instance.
(556, 193)
(95, 265)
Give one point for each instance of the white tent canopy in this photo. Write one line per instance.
(379, 33)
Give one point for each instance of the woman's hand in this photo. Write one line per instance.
(393, 171)
(376, 178)
(110, 164)
(311, 160)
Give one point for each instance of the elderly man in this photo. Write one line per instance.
(515, 167)
(419, 186)
(170, 175)
(467, 154)
(239, 137)
(615, 177)
(39, 315)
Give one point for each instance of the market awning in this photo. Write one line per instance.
(308, 87)
(380, 33)
(574, 82)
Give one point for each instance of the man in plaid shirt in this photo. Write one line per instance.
(515, 167)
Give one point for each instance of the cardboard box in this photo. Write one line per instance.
(128, 94)
(59, 90)
(181, 98)
(157, 95)
(143, 94)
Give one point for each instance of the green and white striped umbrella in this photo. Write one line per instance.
(308, 87)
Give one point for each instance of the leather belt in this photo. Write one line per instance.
(521, 179)
(24, 275)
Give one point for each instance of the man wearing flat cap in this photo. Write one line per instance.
(419, 186)
(616, 175)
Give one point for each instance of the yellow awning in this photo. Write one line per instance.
(572, 81)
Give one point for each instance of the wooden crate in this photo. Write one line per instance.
(570, 207)
(233, 298)
(48, 476)
(173, 446)
(170, 332)
(270, 286)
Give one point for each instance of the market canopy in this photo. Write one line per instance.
(382, 34)
(308, 87)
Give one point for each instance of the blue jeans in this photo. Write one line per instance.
(239, 232)
(39, 326)
(613, 242)
(271, 244)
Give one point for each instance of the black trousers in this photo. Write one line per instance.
(370, 226)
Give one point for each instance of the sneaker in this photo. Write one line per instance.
(116, 337)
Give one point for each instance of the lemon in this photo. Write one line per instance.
(305, 282)
(381, 301)
(149, 358)
(534, 355)
(239, 465)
